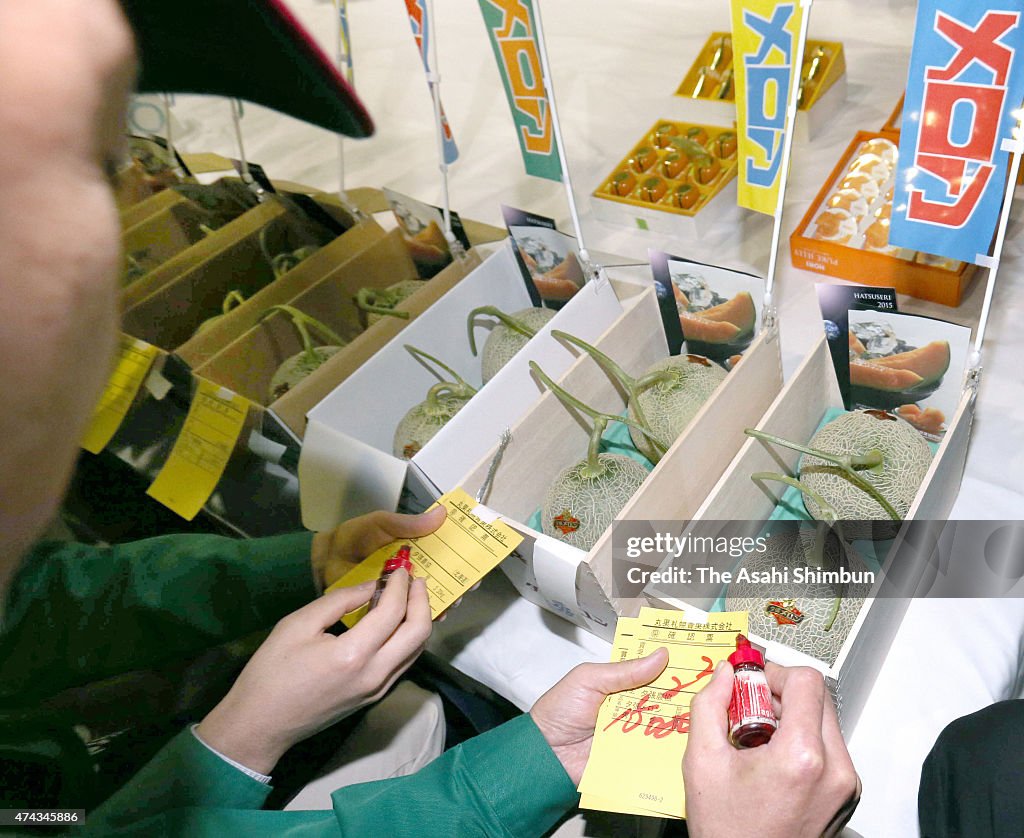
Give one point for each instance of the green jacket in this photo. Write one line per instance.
(77, 614)
(506, 782)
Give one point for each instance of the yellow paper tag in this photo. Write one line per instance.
(636, 760)
(134, 360)
(452, 559)
(201, 451)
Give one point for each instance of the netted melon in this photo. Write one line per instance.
(511, 334)
(813, 615)
(906, 458)
(311, 358)
(232, 300)
(866, 465)
(376, 303)
(583, 501)
(422, 421)
(584, 498)
(664, 399)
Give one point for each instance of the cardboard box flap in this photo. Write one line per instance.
(329, 489)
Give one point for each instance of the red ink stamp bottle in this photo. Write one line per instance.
(400, 559)
(751, 717)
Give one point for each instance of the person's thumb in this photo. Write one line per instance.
(411, 526)
(324, 612)
(610, 678)
(709, 710)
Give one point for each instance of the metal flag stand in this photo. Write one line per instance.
(590, 270)
(1016, 147)
(769, 317)
(434, 82)
(237, 113)
(343, 49)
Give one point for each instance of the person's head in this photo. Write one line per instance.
(68, 67)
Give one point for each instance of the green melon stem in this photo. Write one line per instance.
(506, 320)
(303, 323)
(460, 385)
(231, 300)
(849, 464)
(633, 386)
(831, 516)
(434, 408)
(593, 468)
(375, 301)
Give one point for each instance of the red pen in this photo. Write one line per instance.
(400, 559)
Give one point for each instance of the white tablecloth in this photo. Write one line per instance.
(615, 66)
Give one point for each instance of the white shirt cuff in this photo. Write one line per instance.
(260, 778)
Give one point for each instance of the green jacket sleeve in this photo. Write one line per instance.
(506, 783)
(76, 613)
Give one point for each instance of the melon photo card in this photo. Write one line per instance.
(908, 365)
(422, 228)
(836, 302)
(715, 310)
(548, 259)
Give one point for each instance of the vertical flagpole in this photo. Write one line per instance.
(566, 177)
(343, 50)
(168, 133)
(345, 68)
(787, 152)
(236, 119)
(1016, 146)
(434, 80)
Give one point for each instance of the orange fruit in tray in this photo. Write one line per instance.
(622, 183)
(674, 164)
(685, 196)
(724, 145)
(663, 134)
(862, 184)
(876, 237)
(871, 165)
(886, 149)
(705, 171)
(643, 159)
(697, 134)
(652, 189)
(851, 201)
(835, 225)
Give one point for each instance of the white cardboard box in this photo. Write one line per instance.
(347, 467)
(795, 415)
(577, 584)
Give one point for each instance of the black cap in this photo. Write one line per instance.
(246, 49)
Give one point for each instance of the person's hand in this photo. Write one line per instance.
(303, 679)
(567, 713)
(336, 552)
(801, 784)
